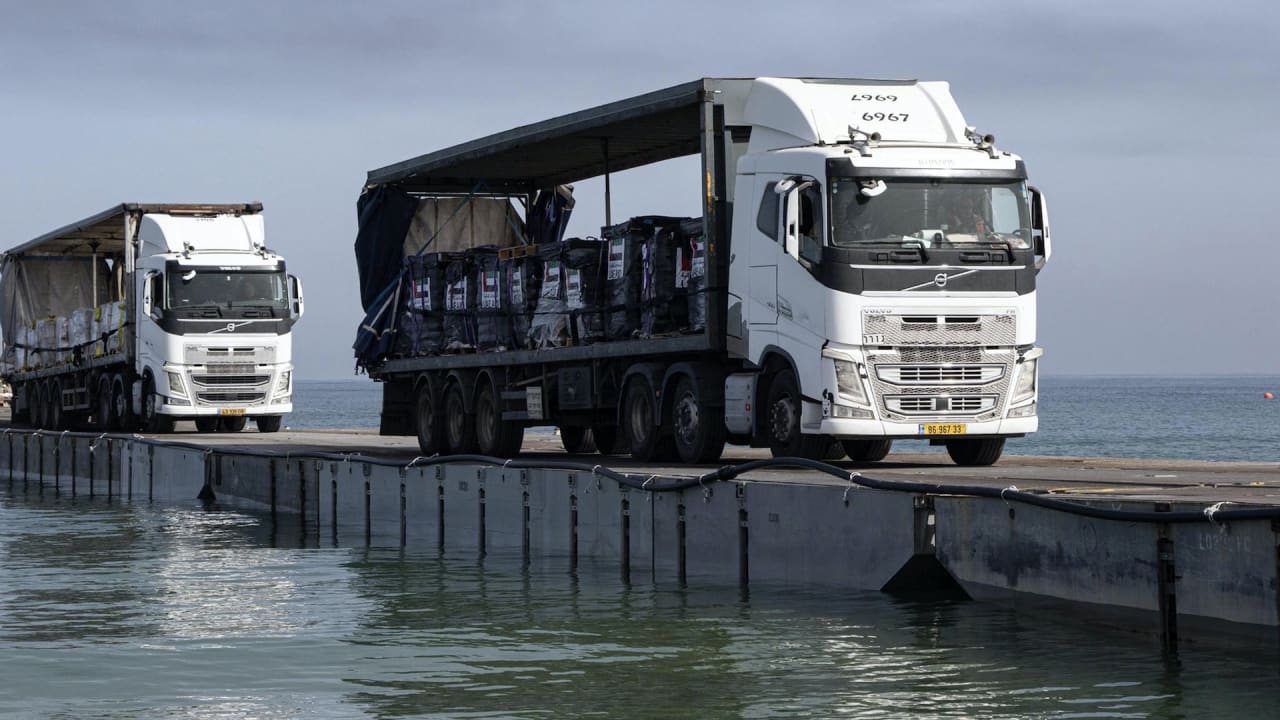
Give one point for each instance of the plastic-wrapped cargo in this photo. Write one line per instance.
(81, 334)
(567, 311)
(63, 352)
(459, 304)
(624, 281)
(664, 290)
(583, 289)
(111, 328)
(492, 311)
(521, 284)
(694, 246)
(421, 323)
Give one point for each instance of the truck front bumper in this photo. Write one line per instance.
(846, 427)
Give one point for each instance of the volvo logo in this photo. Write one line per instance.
(939, 281)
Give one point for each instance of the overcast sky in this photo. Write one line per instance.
(1150, 126)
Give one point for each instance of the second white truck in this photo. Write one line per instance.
(143, 315)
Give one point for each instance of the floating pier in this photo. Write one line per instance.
(1182, 549)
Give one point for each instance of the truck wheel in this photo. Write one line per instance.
(268, 423)
(428, 421)
(235, 423)
(699, 430)
(207, 424)
(40, 410)
(975, 453)
(459, 428)
(577, 440)
(873, 450)
(102, 413)
(121, 405)
(55, 418)
(783, 418)
(153, 421)
(495, 436)
(638, 427)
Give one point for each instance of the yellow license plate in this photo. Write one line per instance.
(943, 429)
(231, 411)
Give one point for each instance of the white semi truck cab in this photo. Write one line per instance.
(147, 314)
(886, 254)
(215, 319)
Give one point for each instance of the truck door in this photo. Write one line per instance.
(765, 250)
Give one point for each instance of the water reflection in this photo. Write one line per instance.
(123, 611)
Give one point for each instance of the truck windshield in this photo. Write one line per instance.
(929, 213)
(227, 293)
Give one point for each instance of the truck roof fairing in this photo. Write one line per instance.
(100, 232)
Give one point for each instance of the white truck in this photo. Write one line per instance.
(870, 276)
(143, 315)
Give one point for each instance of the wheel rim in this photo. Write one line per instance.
(782, 419)
(118, 401)
(686, 418)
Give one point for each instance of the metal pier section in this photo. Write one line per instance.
(1176, 548)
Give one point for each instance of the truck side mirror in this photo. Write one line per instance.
(295, 297)
(1040, 228)
(791, 223)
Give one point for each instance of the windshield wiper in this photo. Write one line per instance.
(917, 245)
(1005, 244)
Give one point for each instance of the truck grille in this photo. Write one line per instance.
(940, 404)
(214, 398)
(900, 330)
(213, 380)
(939, 374)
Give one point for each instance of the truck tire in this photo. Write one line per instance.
(102, 415)
(459, 427)
(494, 436)
(428, 422)
(207, 424)
(39, 400)
(871, 450)
(55, 417)
(122, 405)
(975, 453)
(782, 415)
(639, 429)
(152, 421)
(235, 423)
(698, 430)
(577, 440)
(268, 423)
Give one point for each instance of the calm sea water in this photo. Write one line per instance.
(141, 611)
(111, 610)
(1194, 418)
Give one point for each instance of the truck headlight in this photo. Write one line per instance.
(176, 385)
(1026, 385)
(849, 382)
(282, 385)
